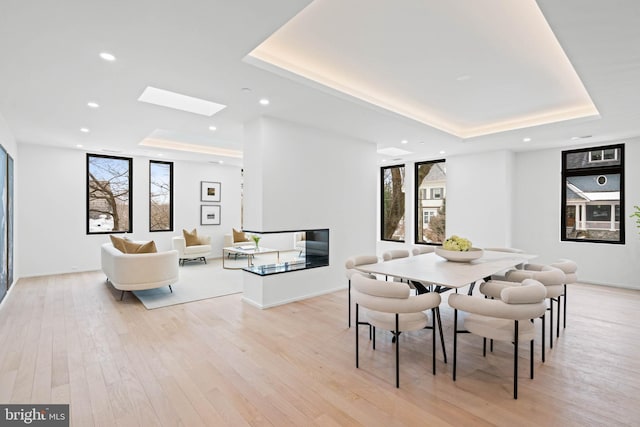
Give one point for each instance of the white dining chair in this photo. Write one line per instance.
(350, 265)
(507, 319)
(390, 306)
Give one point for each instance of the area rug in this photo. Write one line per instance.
(197, 281)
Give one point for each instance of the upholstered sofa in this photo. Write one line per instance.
(133, 272)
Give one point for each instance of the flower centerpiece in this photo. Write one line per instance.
(455, 243)
(256, 239)
(458, 249)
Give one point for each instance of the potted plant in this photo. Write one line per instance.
(256, 239)
(636, 215)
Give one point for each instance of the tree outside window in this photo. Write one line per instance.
(109, 189)
(392, 217)
(160, 196)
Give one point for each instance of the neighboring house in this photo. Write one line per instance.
(593, 201)
(431, 193)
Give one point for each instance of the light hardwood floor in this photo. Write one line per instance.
(67, 339)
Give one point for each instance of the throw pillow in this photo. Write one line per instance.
(191, 237)
(140, 248)
(239, 236)
(118, 243)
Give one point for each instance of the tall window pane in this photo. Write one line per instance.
(593, 194)
(431, 192)
(109, 189)
(392, 217)
(160, 196)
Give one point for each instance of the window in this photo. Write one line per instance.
(160, 196)
(603, 155)
(430, 218)
(109, 189)
(427, 214)
(392, 215)
(593, 194)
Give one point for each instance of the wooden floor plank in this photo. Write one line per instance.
(68, 339)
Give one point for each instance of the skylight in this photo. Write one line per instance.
(166, 98)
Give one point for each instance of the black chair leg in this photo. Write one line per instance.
(397, 351)
(564, 325)
(455, 340)
(515, 361)
(484, 347)
(349, 296)
(558, 322)
(433, 339)
(170, 288)
(356, 329)
(374, 336)
(543, 335)
(531, 360)
(551, 323)
(444, 349)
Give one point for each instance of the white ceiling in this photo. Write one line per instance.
(50, 69)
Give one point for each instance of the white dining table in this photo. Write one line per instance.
(432, 269)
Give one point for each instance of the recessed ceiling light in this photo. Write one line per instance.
(92, 104)
(442, 152)
(463, 78)
(264, 101)
(526, 139)
(159, 154)
(107, 56)
(84, 130)
(221, 161)
(79, 145)
(166, 98)
(212, 128)
(581, 137)
(404, 141)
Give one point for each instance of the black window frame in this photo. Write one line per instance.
(592, 171)
(130, 193)
(382, 216)
(170, 164)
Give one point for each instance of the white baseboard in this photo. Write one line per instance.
(290, 300)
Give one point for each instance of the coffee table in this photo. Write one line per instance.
(250, 251)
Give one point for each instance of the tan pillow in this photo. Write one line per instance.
(140, 248)
(118, 243)
(191, 237)
(239, 236)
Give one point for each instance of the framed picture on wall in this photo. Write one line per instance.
(209, 215)
(210, 191)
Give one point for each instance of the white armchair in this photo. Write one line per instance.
(193, 252)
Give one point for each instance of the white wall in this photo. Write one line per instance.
(478, 196)
(52, 208)
(536, 219)
(307, 178)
